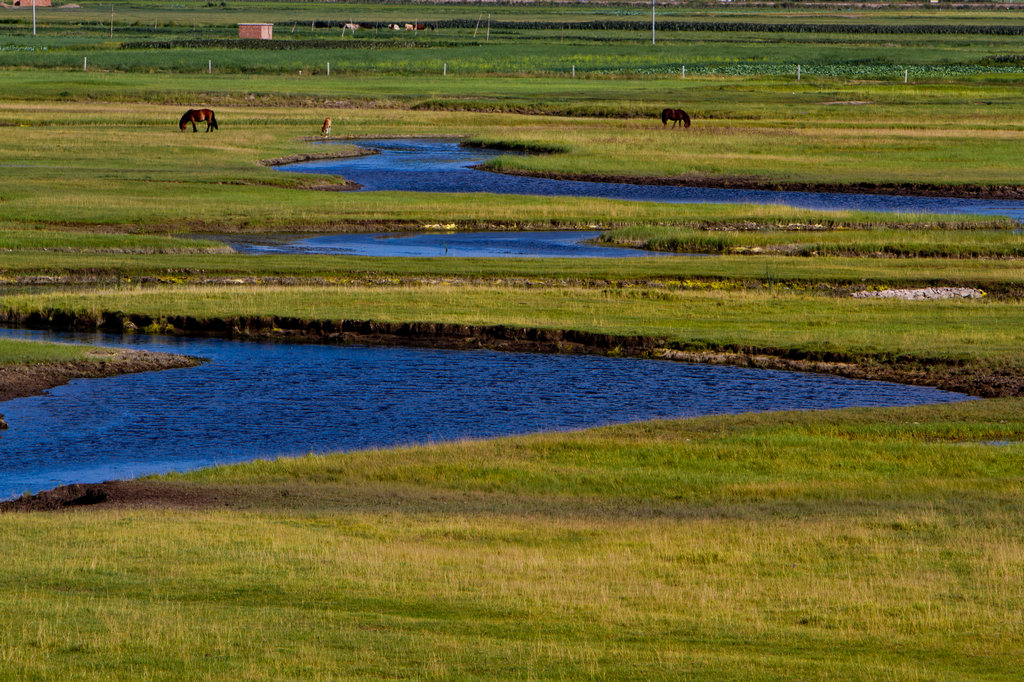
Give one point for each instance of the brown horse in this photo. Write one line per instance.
(194, 116)
(675, 115)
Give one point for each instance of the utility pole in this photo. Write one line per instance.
(33, 17)
(652, 22)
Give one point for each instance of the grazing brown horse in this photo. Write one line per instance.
(194, 116)
(326, 129)
(675, 115)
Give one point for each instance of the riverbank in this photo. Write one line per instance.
(952, 374)
(22, 380)
(906, 189)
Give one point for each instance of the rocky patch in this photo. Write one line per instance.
(923, 294)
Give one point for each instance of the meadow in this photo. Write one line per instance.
(860, 544)
(128, 167)
(14, 352)
(857, 544)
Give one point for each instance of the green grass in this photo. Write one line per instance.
(816, 240)
(542, 41)
(1001, 277)
(970, 330)
(856, 544)
(859, 544)
(80, 243)
(129, 168)
(14, 352)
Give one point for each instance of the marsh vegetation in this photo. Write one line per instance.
(854, 544)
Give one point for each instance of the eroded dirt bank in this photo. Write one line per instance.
(19, 381)
(949, 374)
(122, 494)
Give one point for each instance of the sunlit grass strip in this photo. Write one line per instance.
(971, 330)
(672, 272)
(16, 352)
(83, 242)
(823, 457)
(816, 239)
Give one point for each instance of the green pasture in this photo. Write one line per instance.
(852, 544)
(779, 320)
(608, 40)
(1003, 276)
(81, 243)
(127, 167)
(14, 352)
(810, 240)
(859, 544)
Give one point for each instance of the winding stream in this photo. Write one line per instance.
(255, 400)
(265, 400)
(506, 244)
(441, 165)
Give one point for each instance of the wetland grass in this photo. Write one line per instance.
(15, 352)
(783, 320)
(816, 240)
(855, 544)
(140, 173)
(858, 544)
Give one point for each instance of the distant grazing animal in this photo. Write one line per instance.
(351, 26)
(194, 116)
(326, 130)
(410, 27)
(675, 115)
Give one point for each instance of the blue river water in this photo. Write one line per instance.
(441, 165)
(261, 400)
(506, 244)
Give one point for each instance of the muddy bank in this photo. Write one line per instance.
(342, 153)
(19, 381)
(945, 373)
(119, 493)
(743, 183)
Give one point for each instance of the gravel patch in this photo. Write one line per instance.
(925, 294)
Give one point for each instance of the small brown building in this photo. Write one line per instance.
(257, 31)
(28, 3)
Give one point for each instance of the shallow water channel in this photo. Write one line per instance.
(255, 400)
(506, 244)
(441, 165)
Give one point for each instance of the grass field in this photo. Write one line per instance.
(857, 544)
(129, 168)
(955, 329)
(24, 352)
(854, 544)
